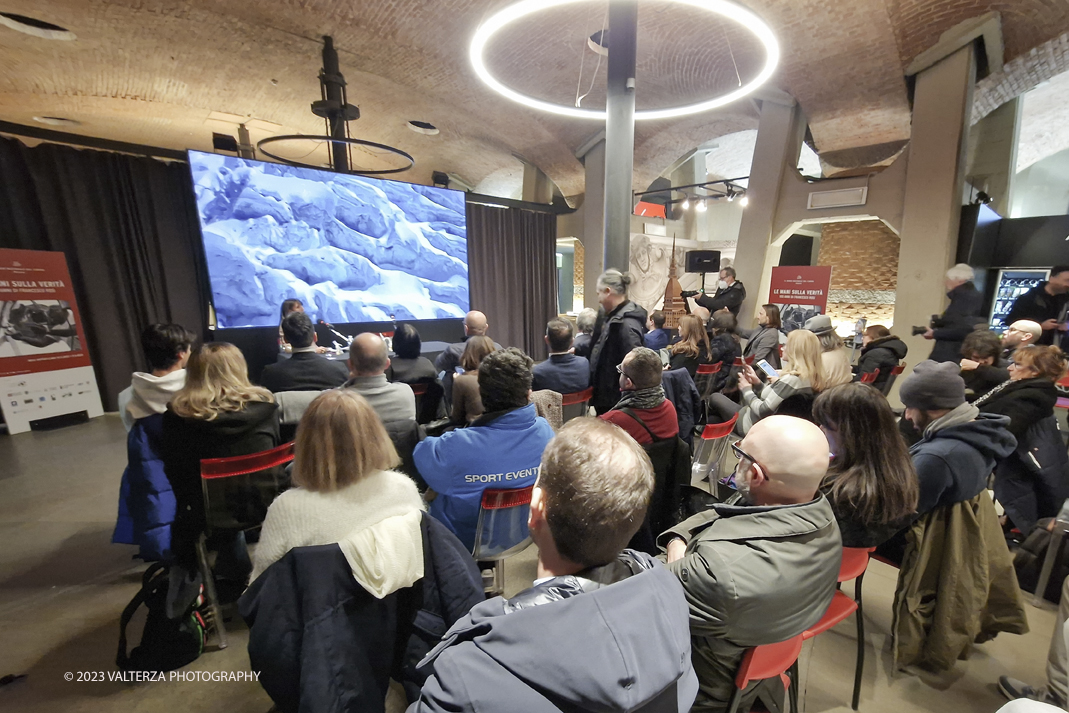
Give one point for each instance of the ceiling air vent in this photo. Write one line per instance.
(842, 198)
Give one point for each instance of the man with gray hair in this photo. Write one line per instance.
(585, 322)
(603, 628)
(620, 328)
(368, 360)
(959, 318)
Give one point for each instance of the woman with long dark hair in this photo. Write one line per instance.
(871, 483)
(692, 348)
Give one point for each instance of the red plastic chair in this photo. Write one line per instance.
(705, 379)
(855, 562)
(709, 368)
(222, 491)
(501, 530)
(576, 405)
(709, 449)
(744, 361)
(893, 377)
(767, 661)
(870, 377)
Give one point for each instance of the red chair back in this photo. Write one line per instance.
(744, 361)
(502, 527)
(578, 397)
(707, 369)
(212, 468)
(855, 562)
(714, 431)
(237, 490)
(870, 377)
(768, 661)
(897, 371)
(418, 389)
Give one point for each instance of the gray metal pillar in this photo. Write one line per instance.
(620, 132)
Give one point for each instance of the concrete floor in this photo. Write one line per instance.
(63, 587)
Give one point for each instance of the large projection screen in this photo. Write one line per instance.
(353, 249)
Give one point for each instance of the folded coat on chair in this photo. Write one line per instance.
(956, 586)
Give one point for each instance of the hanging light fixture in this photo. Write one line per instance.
(700, 207)
(744, 201)
(685, 205)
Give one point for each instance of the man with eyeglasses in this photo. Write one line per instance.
(1019, 334)
(643, 411)
(761, 568)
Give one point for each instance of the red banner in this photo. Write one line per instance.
(40, 328)
(806, 286)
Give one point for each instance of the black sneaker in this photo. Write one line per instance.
(1014, 689)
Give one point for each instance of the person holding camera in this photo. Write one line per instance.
(958, 319)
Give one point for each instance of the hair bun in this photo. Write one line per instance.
(626, 278)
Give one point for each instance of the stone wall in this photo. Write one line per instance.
(864, 276)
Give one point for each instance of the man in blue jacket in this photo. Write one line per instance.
(501, 449)
(563, 372)
(603, 629)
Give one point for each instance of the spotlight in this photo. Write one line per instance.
(685, 205)
(700, 207)
(744, 201)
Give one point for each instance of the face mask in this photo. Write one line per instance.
(722, 285)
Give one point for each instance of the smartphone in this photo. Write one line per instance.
(767, 368)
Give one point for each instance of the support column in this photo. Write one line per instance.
(942, 103)
(620, 132)
(537, 188)
(993, 154)
(779, 141)
(594, 222)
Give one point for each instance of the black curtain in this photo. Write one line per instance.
(512, 269)
(128, 226)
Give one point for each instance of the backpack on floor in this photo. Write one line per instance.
(166, 644)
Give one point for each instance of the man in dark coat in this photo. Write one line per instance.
(305, 370)
(1045, 303)
(620, 328)
(730, 294)
(563, 371)
(604, 628)
(959, 318)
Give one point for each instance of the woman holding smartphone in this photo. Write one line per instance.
(803, 378)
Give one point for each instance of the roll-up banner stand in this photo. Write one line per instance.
(45, 370)
(800, 293)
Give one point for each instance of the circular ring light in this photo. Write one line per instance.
(330, 139)
(724, 8)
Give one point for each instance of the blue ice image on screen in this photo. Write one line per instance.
(353, 249)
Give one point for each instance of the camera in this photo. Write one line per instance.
(917, 331)
(936, 323)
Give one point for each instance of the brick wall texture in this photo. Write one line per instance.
(864, 259)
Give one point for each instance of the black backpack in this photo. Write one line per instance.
(166, 644)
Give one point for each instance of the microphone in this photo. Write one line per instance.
(336, 333)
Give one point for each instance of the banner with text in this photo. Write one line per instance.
(800, 293)
(45, 369)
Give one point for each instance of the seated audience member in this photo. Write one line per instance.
(501, 449)
(217, 414)
(643, 411)
(467, 404)
(288, 307)
(980, 367)
(1032, 482)
(870, 483)
(591, 595)
(657, 337)
(834, 356)
(763, 341)
(880, 350)
(959, 446)
(724, 347)
(692, 348)
(563, 372)
(585, 324)
(368, 361)
(167, 348)
(344, 485)
(407, 365)
(305, 370)
(146, 502)
(475, 325)
(764, 569)
(804, 377)
(1021, 333)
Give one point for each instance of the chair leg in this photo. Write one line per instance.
(499, 577)
(794, 676)
(218, 626)
(860, 614)
(736, 698)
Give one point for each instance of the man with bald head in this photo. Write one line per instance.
(1020, 334)
(368, 360)
(762, 567)
(475, 325)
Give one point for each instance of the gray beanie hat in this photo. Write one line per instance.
(933, 386)
(821, 324)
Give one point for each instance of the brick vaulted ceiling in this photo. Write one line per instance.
(169, 72)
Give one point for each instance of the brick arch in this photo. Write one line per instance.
(1020, 75)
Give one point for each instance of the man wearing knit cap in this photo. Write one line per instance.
(959, 446)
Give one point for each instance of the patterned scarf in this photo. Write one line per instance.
(641, 399)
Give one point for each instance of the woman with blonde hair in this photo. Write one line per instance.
(218, 413)
(467, 404)
(804, 378)
(345, 483)
(692, 348)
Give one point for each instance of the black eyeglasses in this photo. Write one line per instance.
(620, 368)
(741, 454)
